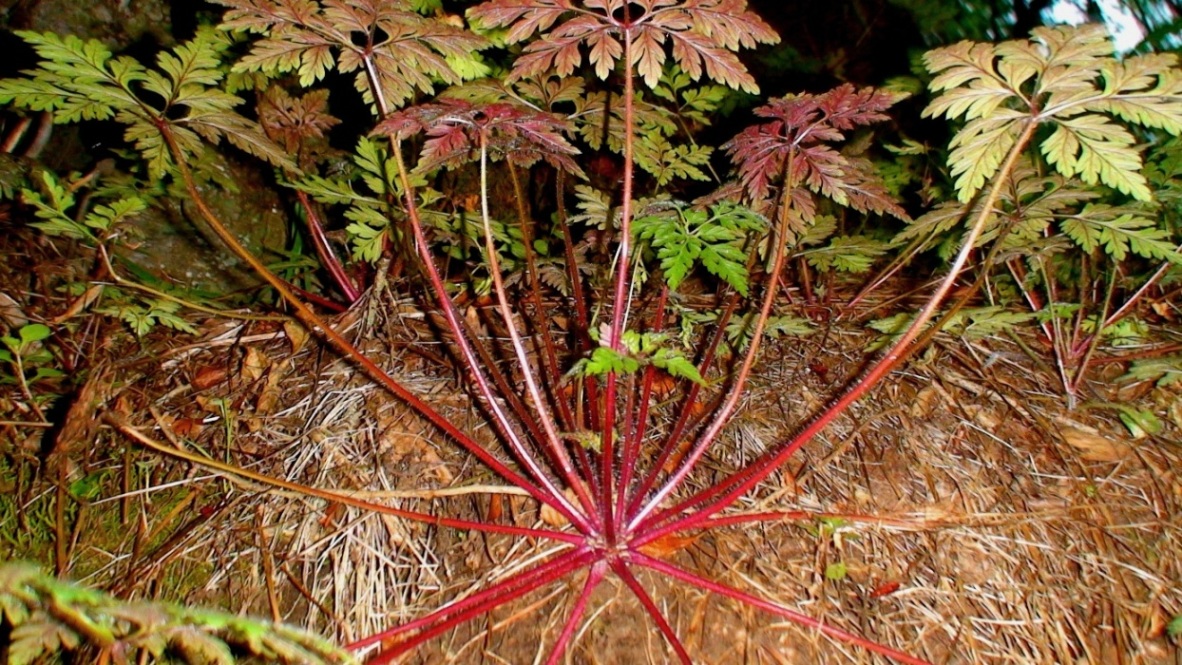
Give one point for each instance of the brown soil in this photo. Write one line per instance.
(986, 522)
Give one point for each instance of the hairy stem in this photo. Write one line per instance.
(553, 442)
(621, 569)
(768, 606)
(541, 322)
(686, 415)
(446, 618)
(620, 294)
(594, 577)
(634, 437)
(331, 495)
(328, 258)
(739, 483)
(337, 341)
(723, 415)
(548, 492)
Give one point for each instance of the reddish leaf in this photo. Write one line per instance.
(794, 145)
(456, 129)
(702, 34)
(186, 427)
(289, 121)
(209, 376)
(496, 508)
(663, 547)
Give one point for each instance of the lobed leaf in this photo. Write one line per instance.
(1119, 231)
(404, 51)
(700, 35)
(794, 147)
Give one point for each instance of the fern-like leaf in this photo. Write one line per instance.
(1162, 371)
(81, 81)
(1066, 77)
(795, 146)
(849, 254)
(392, 49)
(456, 129)
(683, 238)
(701, 36)
(1119, 231)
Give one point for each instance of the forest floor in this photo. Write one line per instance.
(985, 521)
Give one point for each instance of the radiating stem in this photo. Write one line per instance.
(332, 495)
(673, 440)
(337, 341)
(723, 415)
(541, 320)
(594, 577)
(328, 258)
(634, 437)
(768, 606)
(620, 294)
(548, 492)
(450, 616)
(551, 440)
(739, 483)
(654, 612)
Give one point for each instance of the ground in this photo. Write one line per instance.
(982, 520)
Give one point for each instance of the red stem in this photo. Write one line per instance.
(740, 482)
(620, 297)
(634, 438)
(541, 322)
(723, 415)
(768, 606)
(594, 577)
(672, 441)
(328, 258)
(621, 569)
(446, 618)
(318, 300)
(333, 495)
(551, 441)
(547, 493)
(337, 341)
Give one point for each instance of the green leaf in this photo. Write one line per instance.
(105, 217)
(594, 208)
(34, 332)
(1164, 371)
(977, 151)
(728, 263)
(1139, 422)
(982, 322)
(835, 572)
(604, 361)
(78, 80)
(677, 365)
(1065, 77)
(37, 636)
(1120, 230)
(1096, 149)
(848, 254)
(684, 236)
(81, 81)
(1174, 628)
